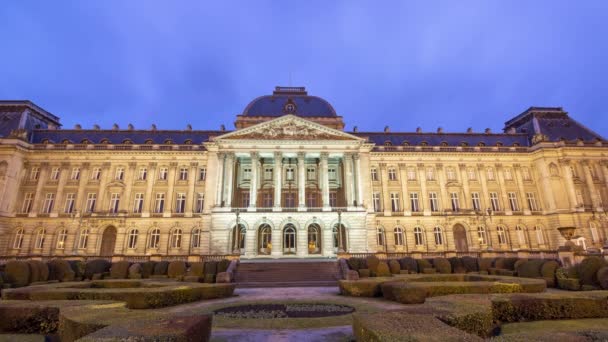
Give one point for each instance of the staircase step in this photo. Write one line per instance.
(287, 273)
(289, 284)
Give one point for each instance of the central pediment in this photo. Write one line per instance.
(288, 127)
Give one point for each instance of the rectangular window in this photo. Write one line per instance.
(531, 199)
(451, 175)
(142, 174)
(138, 205)
(490, 174)
(332, 173)
(202, 174)
(267, 200)
(395, 204)
(245, 202)
(494, 201)
(430, 174)
(247, 173)
(311, 200)
(200, 203)
(392, 174)
(91, 199)
(526, 174)
(411, 174)
(414, 202)
(35, 173)
(159, 203)
(310, 173)
(162, 173)
(55, 173)
(183, 174)
(333, 199)
(513, 201)
(28, 200)
(454, 201)
(376, 201)
(290, 200)
(96, 174)
(69, 203)
(180, 203)
(290, 173)
(49, 200)
(508, 174)
(374, 174)
(579, 197)
(120, 173)
(268, 173)
(75, 175)
(433, 201)
(114, 202)
(481, 235)
(476, 201)
(472, 174)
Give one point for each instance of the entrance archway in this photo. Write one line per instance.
(108, 241)
(460, 238)
(238, 239)
(265, 239)
(314, 239)
(339, 237)
(289, 239)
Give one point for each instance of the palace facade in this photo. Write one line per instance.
(289, 181)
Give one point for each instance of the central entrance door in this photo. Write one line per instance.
(460, 238)
(289, 239)
(108, 242)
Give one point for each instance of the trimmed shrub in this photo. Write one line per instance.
(39, 271)
(403, 293)
(602, 277)
(176, 269)
(484, 264)
(422, 264)
(196, 269)
(209, 278)
(382, 270)
(457, 265)
(394, 266)
(147, 269)
(354, 263)
(570, 284)
(350, 275)
(120, 270)
(222, 265)
(372, 263)
(470, 264)
(518, 264)
(530, 268)
(409, 264)
(547, 271)
(18, 273)
(442, 265)
(587, 270)
(364, 273)
(499, 263)
(360, 288)
(429, 271)
(161, 268)
(135, 271)
(78, 267)
(60, 270)
(509, 263)
(96, 266)
(210, 267)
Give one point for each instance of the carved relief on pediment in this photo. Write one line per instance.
(289, 131)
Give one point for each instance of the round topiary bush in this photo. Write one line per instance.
(382, 270)
(161, 268)
(548, 270)
(18, 273)
(422, 264)
(353, 263)
(518, 263)
(196, 269)
(135, 271)
(364, 273)
(372, 263)
(442, 265)
(509, 263)
(222, 265)
(96, 266)
(587, 270)
(409, 264)
(60, 270)
(147, 269)
(37, 269)
(530, 268)
(484, 264)
(120, 270)
(394, 266)
(602, 277)
(499, 263)
(470, 264)
(176, 269)
(78, 267)
(210, 267)
(457, 265)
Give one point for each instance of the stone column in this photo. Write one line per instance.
(348, 179)
(276, 240)
(466, 202)
(522, 191)
(228, 179)
(253, 187)
(278, 180)
(125, 204)
(84, 178)
(446, 205)
(250, 243)
(503, 190)
(386, 197)
(325, 181)
(484, 198)
(190, 196)
(106, 176)
(407, 211)
(39, 196)
(546, 188)
(424, 196)
(302, 241)
(221, 158)
(63, 178)
(358, 181)
(151, 178)
(171, 185)
(591, 186)
(301, 181)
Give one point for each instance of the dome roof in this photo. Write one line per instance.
(289, 100)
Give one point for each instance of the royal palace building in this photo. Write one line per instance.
(290, 182)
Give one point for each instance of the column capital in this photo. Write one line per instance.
(173, 164)
(132, 165)
(324, 155)
(480, 167)
(106, 165)
(498, 166)
(65, 165)
(585, 162)
(420, 166)
(301, 155)
(516, 166)
(153, 164)
(564, 162)
(439, 166)
(402, 166)
(254, 155)
(278, 155)
(193, 164)
(86, 165)
(44, 165)
(462, 166)
(221, 155)
(382, 165)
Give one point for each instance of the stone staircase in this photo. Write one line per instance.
(287, 273)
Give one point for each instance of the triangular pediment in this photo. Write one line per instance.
(288, 127)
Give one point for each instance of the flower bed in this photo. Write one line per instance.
(271, 311)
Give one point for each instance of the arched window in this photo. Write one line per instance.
(40, 235)
(540, 239)
(196, 238)
(265, 239)
(18, 240)
(380, 236)
(238, 239)
(176, 238)
(314, 239)
(481, 235)
(438, 233)
(154, 238)
(61, 238)
(502, 235)
(339, 238)
(83, 240)
(132, 239)
(418, 236)
(521, 235)
(149, 142)
(398, 236)
(388, 143)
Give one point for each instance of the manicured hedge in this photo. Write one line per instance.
(602, 277)
(372, 263)
(382, 270)
(176, 269)
(120, 270)
(457, 265)
(60, 270)
(402, 292)
(18, 273)
(587, 270)
(470, 264)
(409, 264)
(161, 268)
(367, 287)
(394, 266)
(531, 268)
(442, 265)
(96, 266)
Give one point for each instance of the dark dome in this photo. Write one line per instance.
(289, 100)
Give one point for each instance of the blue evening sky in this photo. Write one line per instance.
(454, 64)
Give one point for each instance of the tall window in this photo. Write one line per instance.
(398, 236)
(392, 174)
(40, 236)
(430, 174)
(120, 173)
(573, 171)
(438, 234)
(525, 172)
(114, 202)
(290, 200)
(451, 175)
(142, 174)
(476, 201)
(539, 235)
(595, 237)
(268, 173)
(245, 198)
(290, 173)
(132, 239)
(411, 174)
(508, 174)
(374, 174)
(376, 201)
(454, 201)
(531, 199)
(247, 173)
(481, 235)
(154, 238)
(472, 174)
(494, 201)
(159, 203)
(162, 173)
(414, 202)
(96, 173)
(176, 238)
(513, 201)
(62, 236)
(28, 200)
(200, 203)
(55, 173)
(418, 236)
(91, 199)
(579, 197)
(138, 205)
(75, 175)
(502, 235)
(490, 174)
(83, 239)
(35, 173)
(18, 239)
(331, 173)
(433, 201)
(310, 173)
(311, 200)
(196, 238)
(49, 201)
(183, 173)
(267, 199)
(180, 203)
(380, 236)
(68, 208)
(521, 235)
(202, 174)
(395, 204)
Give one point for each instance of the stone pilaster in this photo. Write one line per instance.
(278, 180)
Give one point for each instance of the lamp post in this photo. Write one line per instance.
(340, 246)
(236, 236)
